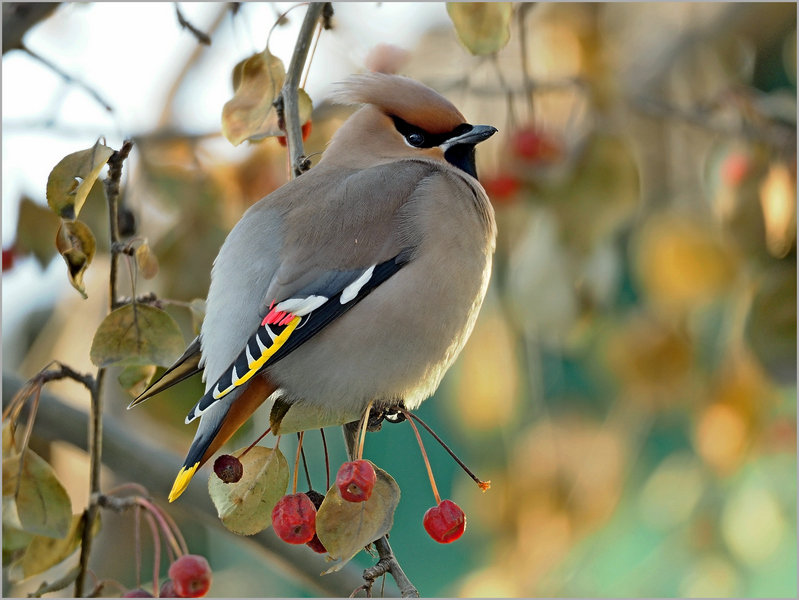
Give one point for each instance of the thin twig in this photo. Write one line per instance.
(201, 36)
(289, 95)
(112, 184)
(69, 78)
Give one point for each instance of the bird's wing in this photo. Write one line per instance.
(292, 321)
(183, 368)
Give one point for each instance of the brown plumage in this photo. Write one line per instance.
(358, 281)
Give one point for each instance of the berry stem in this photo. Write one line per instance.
(364, 423)
(484, 485)
(297, 462)
(159, 517)
(137, 542)
(327, 460)
(305, 466)
(156, 548)
(251, 446)
(424, 455)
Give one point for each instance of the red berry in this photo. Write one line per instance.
(534, 145)
(446, 522)
(315, 544)
(355, 480)
(9, 254)
(191, 576)
(735, 168)
(167, 590)
(501, 188)
(306, 131)
(137, 593)
(294, 519)
(228, 468)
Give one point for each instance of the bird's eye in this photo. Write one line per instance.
(415, 139)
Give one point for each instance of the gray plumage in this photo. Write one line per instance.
(376, 194)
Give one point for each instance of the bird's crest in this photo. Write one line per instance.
(401, 97)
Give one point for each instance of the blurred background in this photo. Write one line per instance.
(630, 386)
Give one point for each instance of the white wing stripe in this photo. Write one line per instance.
(351, 291)
(301, 306)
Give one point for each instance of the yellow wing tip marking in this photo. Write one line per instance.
(182, 481)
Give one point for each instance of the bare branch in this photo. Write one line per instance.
(71, 79)
(202, 37)
(288, 96)
(19, 17)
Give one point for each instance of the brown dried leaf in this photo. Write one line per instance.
(76, 243)
(146, 261)
(36, 226)
(137, 334)
(245, 507)
(345, 527)
(483, 27)
(250, 114)
(72, 178)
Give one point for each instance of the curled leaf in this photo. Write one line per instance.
(250, 114)
(483, 27)
(76, 243)
(137, 334)
(43, 506)
(146, 261)
(245, 507)
(344, 528)
(72, 178)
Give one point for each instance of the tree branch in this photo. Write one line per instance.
(201, 36)
(288, 95)
(19, 17)
(71, 79)
(96, 409)
(127, 455)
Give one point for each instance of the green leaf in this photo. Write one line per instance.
(250, 114)
(43, 506)
(36, 227)
(45, 552)
(134, 379)
(137, 334)
(483, 27)
(197, 308)
(347, 527)
(245, 507)
(76, 243)
(71, 179)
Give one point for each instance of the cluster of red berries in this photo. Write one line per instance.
(294, 516)
(189, 577)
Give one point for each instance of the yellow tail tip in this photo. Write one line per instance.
(182, 481)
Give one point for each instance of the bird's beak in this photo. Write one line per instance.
(477, 134)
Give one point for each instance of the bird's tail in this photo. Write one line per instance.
(217, 426)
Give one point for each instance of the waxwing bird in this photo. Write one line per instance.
(358, 281)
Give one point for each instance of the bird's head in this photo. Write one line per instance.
(402, 118)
